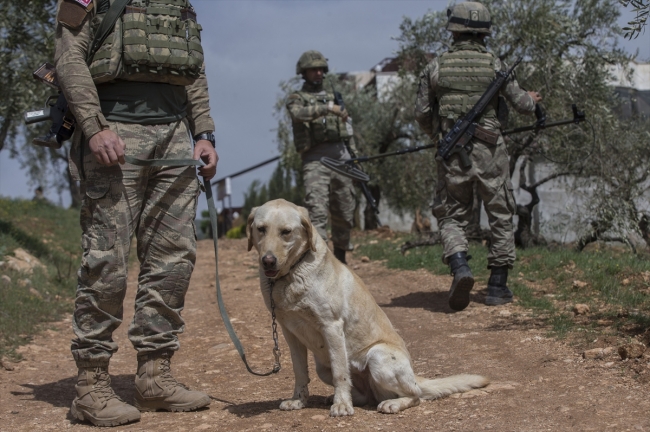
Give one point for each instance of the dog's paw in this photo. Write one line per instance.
(292, 404)
(390, 406)
(341, 409)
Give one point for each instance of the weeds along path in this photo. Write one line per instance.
(539, 383)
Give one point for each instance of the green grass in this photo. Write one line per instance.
(617, 291)
(51, 234)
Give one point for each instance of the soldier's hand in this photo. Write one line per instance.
(107, 147)
(536, 96)
(203, 150)
(337, 111)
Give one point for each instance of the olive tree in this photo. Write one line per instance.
(27, 30)
(636, 26)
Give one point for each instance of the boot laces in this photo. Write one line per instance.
(166, 376)
(102, 387)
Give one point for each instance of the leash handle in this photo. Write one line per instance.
(213, 222)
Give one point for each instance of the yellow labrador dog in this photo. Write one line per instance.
(325, 308)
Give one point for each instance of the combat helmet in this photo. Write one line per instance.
(311, 59)
(469, 17)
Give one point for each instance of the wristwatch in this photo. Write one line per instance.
(209, 136)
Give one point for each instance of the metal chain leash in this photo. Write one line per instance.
(274, 326)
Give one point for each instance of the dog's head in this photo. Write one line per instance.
(281, 232)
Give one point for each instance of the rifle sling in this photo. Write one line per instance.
(106, 27)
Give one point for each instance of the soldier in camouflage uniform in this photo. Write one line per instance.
(449, 87)
(320, 128)
(147, 101)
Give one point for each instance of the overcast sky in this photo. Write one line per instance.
(250, 46)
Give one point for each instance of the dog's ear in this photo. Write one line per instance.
(306, 224)
(249, 227)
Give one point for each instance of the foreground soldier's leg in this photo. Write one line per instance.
(452, 208)
(167, 252)
(110, 206)
(342, 204)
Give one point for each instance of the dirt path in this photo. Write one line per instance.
(539, 384)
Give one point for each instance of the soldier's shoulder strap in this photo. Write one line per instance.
(106, 27)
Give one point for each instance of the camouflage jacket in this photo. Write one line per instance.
(426, 105)
(72, 42)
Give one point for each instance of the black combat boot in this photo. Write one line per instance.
(463, 281)
(498, 292)
(340, 254)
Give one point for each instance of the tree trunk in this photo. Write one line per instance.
(4, 131)
(644, 227)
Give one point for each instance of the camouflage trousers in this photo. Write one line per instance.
(454, 198)
(158, 205)
(327, 192)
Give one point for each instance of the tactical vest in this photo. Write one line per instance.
(153, 41)
(464, 73)
(326, 129)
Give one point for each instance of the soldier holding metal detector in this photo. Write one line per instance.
(461, 93)
(320, 130)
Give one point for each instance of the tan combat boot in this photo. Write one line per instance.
(157, 389)
(97, 403)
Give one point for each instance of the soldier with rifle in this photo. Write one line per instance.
(460, 96)
(320, 129)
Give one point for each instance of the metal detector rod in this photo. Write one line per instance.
(542, 127)
(244, 171)
(578, 116)
(383, 155)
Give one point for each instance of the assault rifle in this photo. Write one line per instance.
(458, 139)
(56, 110)
(63, 122)
(353, 171)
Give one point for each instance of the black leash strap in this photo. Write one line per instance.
(213, 222)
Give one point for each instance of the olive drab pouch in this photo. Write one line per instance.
(154, 41)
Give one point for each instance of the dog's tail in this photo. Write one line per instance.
(437, 388)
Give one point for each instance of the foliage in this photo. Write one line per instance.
(27, 30)
(618, 181)
(616, 282)
(52, 235)
(636, 26)
(236, 232)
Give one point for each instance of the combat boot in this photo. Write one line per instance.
(463, 281)
(498, 292)
(339, 253)
(157, 389)
(97, 403)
